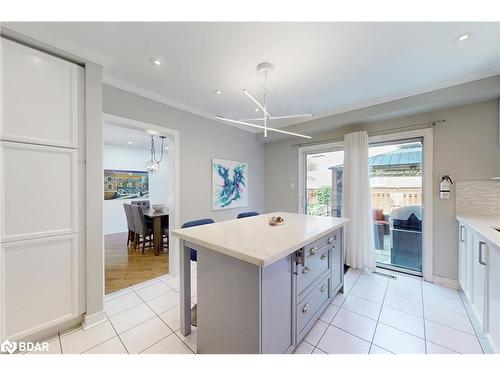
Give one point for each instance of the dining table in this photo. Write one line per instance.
(157, 218)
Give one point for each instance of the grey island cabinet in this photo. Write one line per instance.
(260, 288)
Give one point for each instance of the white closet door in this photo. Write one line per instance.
(40, 97)
(39, 191)
(40, 284)
(41, 201)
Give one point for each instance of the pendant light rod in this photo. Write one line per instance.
(262, 127)
(265, 68)
(265, 109)
(256, 102)
(276, 117)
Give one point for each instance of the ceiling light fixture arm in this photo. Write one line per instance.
(265, 67)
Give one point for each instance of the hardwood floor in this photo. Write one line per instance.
(125, 267)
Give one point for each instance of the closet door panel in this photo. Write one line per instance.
(39, 191)
(40, 97)
(39, 284)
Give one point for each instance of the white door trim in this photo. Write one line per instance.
(174, 241)
(427, 188)
(303, 152)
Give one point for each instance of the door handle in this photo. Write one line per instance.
(305, 270)
(481, 261)
(462, 233)
(305, 308)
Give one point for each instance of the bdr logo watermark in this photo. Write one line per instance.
(23, 346)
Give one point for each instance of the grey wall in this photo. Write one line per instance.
(200, 141)
(465, 147)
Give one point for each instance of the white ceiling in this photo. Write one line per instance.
(321, 68)
(120, 136)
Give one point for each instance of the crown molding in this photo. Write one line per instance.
(139, 91)
(55, 43)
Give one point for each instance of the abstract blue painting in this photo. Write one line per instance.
(229, 184)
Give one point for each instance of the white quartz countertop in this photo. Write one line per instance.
(483, 225)
(253, 240)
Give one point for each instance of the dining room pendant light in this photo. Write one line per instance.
(265, 68)
(153, 165)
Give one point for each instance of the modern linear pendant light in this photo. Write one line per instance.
(265, 68)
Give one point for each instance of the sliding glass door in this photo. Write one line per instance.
(396, 188)
(396, 182)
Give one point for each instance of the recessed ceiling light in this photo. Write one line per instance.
(130, 142)
(157, 61)
(218, 92)
(256, 109)
(463, 37)
(166, 148)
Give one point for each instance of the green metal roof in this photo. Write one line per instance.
(401, 156)
(408, 155)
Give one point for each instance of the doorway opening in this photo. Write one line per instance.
(139, 207)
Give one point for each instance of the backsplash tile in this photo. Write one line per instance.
(477, 198)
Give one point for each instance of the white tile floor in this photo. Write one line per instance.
(142, 319)
(380, 315)
(375, 315)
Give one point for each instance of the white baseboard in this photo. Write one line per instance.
(93, 319)
(450, 283)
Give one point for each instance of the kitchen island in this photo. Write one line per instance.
(260, 287)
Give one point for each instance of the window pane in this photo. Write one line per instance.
(324, 183)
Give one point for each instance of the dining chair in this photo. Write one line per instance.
(130, 223)
(194, 258)
(142, 229)
(196, 223)
(241, 215)
(143, 203)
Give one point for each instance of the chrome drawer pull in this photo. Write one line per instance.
(323, 257)
(323, 288)
(313, 250)
(306, 269)
(305, 308)
(331, 239)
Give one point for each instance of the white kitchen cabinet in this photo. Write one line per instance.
(493, 306)
(41, 201)
(479, 278)
(479, 286)
(465, 259)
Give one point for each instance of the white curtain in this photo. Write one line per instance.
(356, 203)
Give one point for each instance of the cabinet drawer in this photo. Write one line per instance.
(329, 239)
(310, 305)
(315, 264)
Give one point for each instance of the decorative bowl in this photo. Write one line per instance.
(159, 207)
(276, 220)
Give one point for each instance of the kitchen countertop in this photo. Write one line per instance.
(253, 240)
(483, 225)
